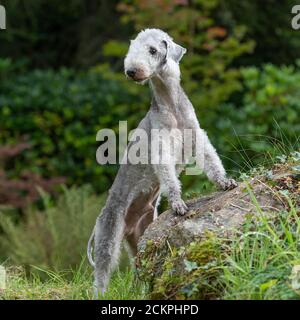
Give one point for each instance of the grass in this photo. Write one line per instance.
(264, 259)
(68, 285)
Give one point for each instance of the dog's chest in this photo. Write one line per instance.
(172, 129)
(165, 119)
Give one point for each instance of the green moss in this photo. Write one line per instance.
(185, 273)
(149, 260)
(204, 251)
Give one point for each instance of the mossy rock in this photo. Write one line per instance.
(181, 257)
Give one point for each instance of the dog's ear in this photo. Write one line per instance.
(174, 50)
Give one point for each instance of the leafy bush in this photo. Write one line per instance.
(54, 238)
(267, 121)
(59, 114)
(272, 93)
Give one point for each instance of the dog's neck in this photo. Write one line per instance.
(166, 88)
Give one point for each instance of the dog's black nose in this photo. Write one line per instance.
(131, 73)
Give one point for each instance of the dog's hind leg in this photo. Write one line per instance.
(109, 231)
(138, 216)
(108, 236)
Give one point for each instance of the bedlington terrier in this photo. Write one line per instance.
(130, 207)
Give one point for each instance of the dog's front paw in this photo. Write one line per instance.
(227, 184)
(179, 207)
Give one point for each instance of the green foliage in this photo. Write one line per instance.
(272, 94)
(59, 114)
(267, 120)
(54, 238)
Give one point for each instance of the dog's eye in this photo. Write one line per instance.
(152, 50)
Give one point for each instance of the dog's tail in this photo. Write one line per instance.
(90, 249)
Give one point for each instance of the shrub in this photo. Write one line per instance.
(267, 121)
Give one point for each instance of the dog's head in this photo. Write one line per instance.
(149, 52)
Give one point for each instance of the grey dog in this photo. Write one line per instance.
(132, 200)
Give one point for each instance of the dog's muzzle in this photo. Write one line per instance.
(136, 74)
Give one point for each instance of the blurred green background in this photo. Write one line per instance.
(61, 80)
